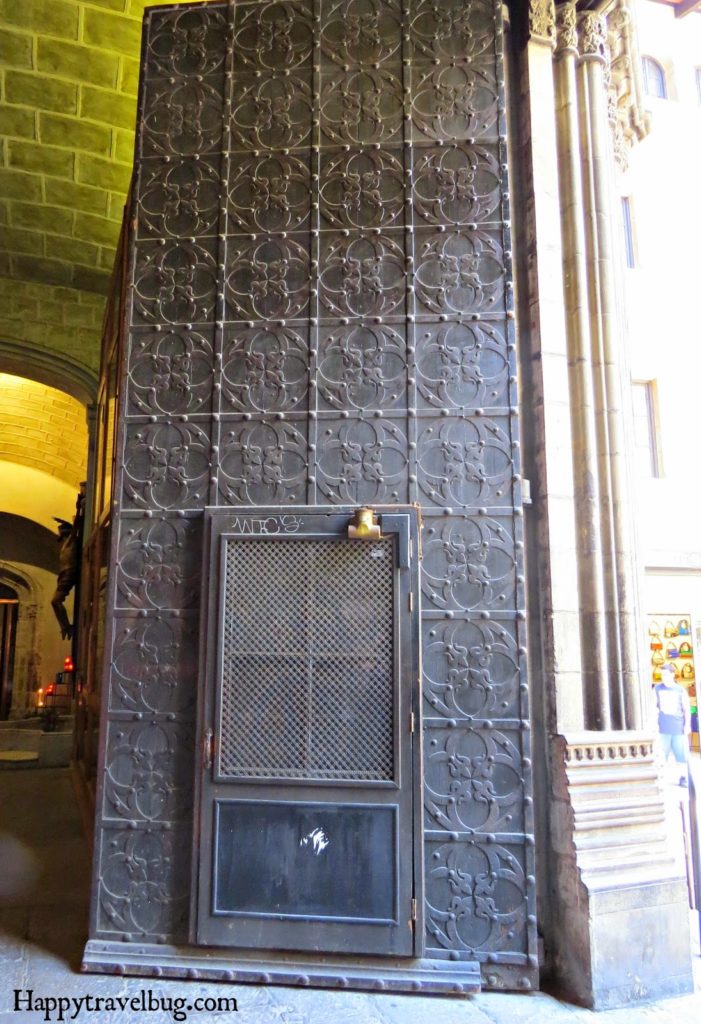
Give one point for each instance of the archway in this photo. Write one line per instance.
(46, 367)
(43, 459)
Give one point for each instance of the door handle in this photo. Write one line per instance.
(208, 749)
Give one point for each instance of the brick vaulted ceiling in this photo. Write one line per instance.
(67, 110)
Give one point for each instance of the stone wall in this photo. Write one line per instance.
(43, 428)
(68, 81)
(57, 319)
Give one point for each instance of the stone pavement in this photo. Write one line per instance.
(44, 880)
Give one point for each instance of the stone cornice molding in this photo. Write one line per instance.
(566, 23)
(541, 21)
(607, 747)
(611, 782)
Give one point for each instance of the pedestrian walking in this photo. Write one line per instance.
(673, 721)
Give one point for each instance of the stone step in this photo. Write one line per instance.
(13, 759)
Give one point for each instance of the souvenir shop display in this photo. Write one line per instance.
(666, 649)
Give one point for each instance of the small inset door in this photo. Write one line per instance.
(307, 818)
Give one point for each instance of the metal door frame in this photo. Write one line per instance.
(310, 523)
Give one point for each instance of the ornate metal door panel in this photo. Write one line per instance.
(308, 838)
(321, 314)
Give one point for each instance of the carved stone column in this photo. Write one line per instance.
(595, 674)
(541, 21)
(555, 641)
(606, 340)
(614, 890)
(611, 892)
(548, 429)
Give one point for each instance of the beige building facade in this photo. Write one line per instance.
(661, 267)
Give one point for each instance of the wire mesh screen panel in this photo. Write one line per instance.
(307, 670)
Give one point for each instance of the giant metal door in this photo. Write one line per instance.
(320, 313)
(308, 839)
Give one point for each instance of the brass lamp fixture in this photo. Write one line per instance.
(365, 526)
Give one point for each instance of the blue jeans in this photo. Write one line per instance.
(676, 745)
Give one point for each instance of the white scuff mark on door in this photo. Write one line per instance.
(318, 839)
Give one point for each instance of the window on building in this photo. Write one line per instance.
(648, 461)
(654, 79)
(698, 84)
(628, 231)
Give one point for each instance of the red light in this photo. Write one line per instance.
(50, 689)
(68, 664)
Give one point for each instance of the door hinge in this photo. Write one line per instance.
(411, 602)
(208, 748)
(419, 530)
(413, 909)
(412, 722)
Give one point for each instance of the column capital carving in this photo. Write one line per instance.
(566, 24)
(619, 16)
(592, 37)
(541, 21)
(629, 120)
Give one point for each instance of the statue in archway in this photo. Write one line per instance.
(69, 538)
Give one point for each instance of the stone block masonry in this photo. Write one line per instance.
(55, 319)
(68, 80)
(70, 74)
(42, 428)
